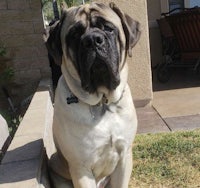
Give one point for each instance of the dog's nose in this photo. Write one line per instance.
(93, 40)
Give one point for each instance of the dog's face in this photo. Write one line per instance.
(95, 39)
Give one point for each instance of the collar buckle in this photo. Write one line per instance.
(72, 99)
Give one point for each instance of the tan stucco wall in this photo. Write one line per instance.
(139, 65)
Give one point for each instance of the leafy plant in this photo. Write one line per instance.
(6, 72)
(12, 120)
(75, 2)
(2, 51)
(50, 12)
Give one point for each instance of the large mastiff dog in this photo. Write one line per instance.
(94, 116)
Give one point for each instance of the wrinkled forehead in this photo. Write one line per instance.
(91, 11)
(88, 13)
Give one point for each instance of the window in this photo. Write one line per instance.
(192, 3)
(167, 5)
(175, 4)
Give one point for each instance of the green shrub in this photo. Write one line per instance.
(6, 72)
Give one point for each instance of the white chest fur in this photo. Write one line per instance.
(94, 136)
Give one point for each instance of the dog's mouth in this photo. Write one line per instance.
(98, 66)
(98, 72)
(102, 74)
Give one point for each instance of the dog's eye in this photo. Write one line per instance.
(77, 31)
(76, 34)
(108, 28)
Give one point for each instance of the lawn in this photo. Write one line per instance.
(169, 160)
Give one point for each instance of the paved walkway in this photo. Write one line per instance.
(172, 110)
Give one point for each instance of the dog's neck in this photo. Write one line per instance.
(101, 96)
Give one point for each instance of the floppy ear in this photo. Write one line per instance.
(53, 42)
(131, 28)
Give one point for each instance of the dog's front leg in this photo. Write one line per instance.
(82, 178)
(120, 177)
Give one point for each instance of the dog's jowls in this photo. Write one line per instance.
(94, 117)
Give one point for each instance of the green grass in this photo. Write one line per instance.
(166, 160)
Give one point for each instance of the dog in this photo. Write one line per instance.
(95, 120)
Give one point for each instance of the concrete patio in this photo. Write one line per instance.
(175, 105)
(171, 110)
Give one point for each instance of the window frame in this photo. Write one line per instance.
(165, 5)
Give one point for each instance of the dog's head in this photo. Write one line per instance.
(95, 40)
